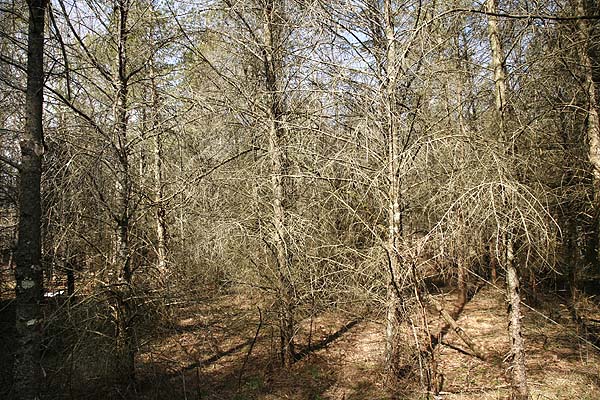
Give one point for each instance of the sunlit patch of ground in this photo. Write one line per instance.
(209, 349)
(210, 356)
(560, 366)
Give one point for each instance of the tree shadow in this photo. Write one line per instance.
(219, 377)
(211, 360)
(327, 340)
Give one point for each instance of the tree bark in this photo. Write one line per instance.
(161, 220)
(28, 272)
(517, 345)
(593, 115)
(462, 286)
(394, 212)
(518, 368)
(280, 183)
(124, 336)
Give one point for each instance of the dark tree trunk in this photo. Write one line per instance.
(28, 272)
(123, 307)
(70, 278)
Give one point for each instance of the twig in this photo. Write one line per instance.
(527, 16)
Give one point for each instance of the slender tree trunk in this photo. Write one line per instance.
(394, 300)
(462, 281)
(280, 184)
(28, 272)
(161, 220)
(593, 116)
(518, 368)
(519, 372)
(70, 280)
(123, 312)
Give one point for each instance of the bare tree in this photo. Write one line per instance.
(507, 245)
(272, 46)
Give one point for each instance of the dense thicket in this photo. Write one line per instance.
(313, 155)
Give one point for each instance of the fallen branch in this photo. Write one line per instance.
(477, 351)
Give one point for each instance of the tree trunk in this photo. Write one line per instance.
(124, 336)
(519, 373)
(519, 376)
(462, 286)
(70, 271)
(493, 263)
(593, 117)
(280, 183)
(394, 300)
(161, 220)
(28, 272)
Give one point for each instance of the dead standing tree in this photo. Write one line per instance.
(507, 231)
(382, 38)
(394, 212)
(268, 32)
(272, 46)
(123, 261)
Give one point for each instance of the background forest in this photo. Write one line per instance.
(300, 199)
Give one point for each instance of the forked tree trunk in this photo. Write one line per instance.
(280, 183)
(519, 375)
(28, 272)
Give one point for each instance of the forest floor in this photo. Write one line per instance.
(222, 348)
(347, 356)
